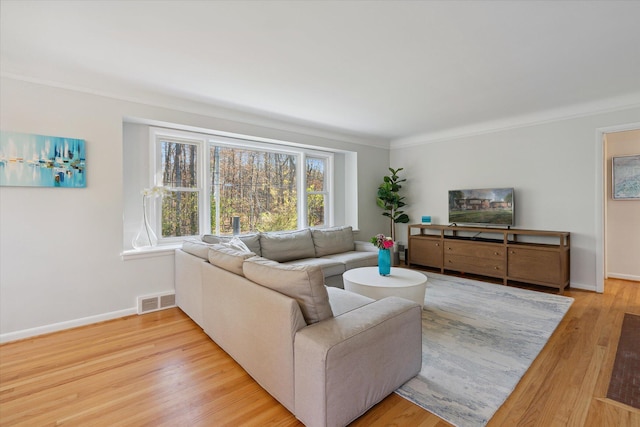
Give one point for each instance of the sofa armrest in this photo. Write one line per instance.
(188, 284)
(365, 246)
(347, 364)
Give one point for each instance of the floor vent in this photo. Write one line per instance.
(149, 303)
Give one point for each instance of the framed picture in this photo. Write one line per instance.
(626, 177)
(28, 160)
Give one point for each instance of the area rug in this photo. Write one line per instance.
(624, 386)
(478, 340)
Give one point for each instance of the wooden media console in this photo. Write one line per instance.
(528, 256)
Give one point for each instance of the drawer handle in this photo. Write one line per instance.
(437, 244)
(496, 268)
(496, 253)
(511, 252)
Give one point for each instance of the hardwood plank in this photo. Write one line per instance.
(160, 369)
(604, 412)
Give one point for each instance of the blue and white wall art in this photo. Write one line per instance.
(626, 177)
(28, 160)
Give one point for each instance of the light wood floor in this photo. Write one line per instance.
(161, 369)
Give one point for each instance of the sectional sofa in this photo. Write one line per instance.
(326, 354)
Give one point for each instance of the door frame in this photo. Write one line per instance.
(601, 194)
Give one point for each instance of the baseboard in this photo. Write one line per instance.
(623, 277)
(40, 330)
(583, 287)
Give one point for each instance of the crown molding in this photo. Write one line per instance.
(185, 105)
(607, 105)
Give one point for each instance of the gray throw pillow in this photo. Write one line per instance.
(251, 240)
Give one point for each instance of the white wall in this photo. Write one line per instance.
(60, 249)
(623, 216)
(552, 166)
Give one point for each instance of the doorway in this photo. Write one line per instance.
(608, 237)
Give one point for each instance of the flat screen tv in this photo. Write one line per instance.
(482, 206)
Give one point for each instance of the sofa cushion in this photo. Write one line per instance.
(303, 283)
(228, 258)
(334, 240)
(251, 240)
(355, 259)
(287, 245)
(344, 301)
(197, 248)
(329, 267)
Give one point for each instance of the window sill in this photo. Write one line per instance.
(152, 252)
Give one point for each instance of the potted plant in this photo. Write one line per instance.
(390, 200)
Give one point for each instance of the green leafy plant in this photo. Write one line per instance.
(390, 200)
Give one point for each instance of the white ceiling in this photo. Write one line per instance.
(396, 70)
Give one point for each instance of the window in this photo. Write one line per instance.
(180, 173)
(258, 187)
(214, 181)
(317, 194)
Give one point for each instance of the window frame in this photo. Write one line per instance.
(204, 142)
(327, 187)
(157, 137)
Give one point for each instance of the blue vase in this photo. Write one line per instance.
(384, 262)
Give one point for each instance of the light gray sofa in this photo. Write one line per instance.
(326, 354)
(333, 249)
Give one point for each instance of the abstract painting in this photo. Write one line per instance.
(626, 177)
(28, 160)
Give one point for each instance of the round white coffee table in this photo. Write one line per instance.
(402, 282)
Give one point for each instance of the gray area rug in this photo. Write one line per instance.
(478, 340)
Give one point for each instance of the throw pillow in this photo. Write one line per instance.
(303, 283)
(252, 241)
(236, 244)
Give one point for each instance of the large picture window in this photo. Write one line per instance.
(257, 187)
(216, 182)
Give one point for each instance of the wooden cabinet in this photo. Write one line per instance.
(529, 256)
(537, 265)
(426, 251)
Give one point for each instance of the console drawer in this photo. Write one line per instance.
(473, 249)
(474, 265)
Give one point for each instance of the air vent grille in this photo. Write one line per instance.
(167, 301)
(149, 303)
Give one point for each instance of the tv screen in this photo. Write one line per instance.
(491, 206)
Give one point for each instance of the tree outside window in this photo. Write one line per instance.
(316, 191)
(179, 166)
(259, 187)
(213, 182)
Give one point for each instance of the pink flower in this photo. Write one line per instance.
(382, 242)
